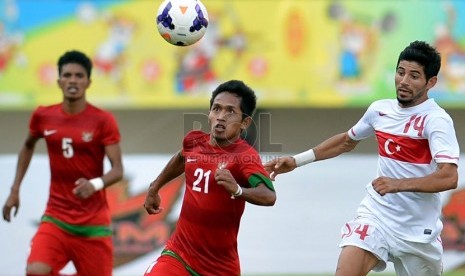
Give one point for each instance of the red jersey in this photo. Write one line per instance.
(206, 232)
(76, 148)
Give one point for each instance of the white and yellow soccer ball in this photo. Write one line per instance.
(182, 22)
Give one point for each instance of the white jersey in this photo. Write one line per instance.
(411, 142)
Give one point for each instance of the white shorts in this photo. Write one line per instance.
(409, 258)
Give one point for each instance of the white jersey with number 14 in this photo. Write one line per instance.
(411, 142)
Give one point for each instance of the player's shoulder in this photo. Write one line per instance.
(380, 107)
(96, 109)
(194, 136)
(433, 112)
(46, 109)
(432, 107)
(99, 112)
(383, 104)
(243, 146)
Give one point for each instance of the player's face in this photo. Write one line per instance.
(73, 81)
(411, 84)
(225, 118)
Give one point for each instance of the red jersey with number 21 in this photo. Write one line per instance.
(206, 232)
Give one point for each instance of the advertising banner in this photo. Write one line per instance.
(294, 53)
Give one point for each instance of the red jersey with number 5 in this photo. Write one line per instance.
(76, 148)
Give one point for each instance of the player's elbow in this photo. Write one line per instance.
(270, 199)
(450, 176)
(261, 195)
(453, 183)
(118, 170)
(349, 144)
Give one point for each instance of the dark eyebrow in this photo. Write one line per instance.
(224, 106)
(412, 71)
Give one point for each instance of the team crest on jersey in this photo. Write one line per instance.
(87, 136)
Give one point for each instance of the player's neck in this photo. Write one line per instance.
(74, 107)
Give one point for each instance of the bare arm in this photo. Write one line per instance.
(443, 179)
(173, 169)
(331, 147)
(24, 159)
(260, 195)
(85, 189)
(334, 146)
(115, 174)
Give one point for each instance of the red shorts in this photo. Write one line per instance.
(166, 266)
(55, 247)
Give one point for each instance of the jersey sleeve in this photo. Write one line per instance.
(34, 124)
(254, 171)
(363, 128)
(442, 139)
(257, 178)
(190, 139)
(111, 134)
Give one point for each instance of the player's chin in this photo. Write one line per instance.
(218, 134)
(219, 139)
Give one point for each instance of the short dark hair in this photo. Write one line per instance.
(425, 55)
(78, 57)
(239, 88)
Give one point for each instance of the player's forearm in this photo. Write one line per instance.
(259, 195)
(173, 169)
(334, 146)
(161, 181)
(24, 159)
(113, 176)
(446, 178)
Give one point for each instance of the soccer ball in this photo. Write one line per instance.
(182, 22)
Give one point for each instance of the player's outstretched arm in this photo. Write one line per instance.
(329, 148)
(280, 165)
(24, 159)
(173, 169)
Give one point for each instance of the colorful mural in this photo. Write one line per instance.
(296, 53)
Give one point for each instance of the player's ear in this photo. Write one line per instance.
(246, 122)
(432, 82)
(59, 82)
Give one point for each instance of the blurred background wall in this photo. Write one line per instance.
(161, 131)
(315, 65)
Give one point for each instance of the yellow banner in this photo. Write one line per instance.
(293, 53)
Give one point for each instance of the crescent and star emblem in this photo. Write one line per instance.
(386, 146)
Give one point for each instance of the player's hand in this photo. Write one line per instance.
(280, 165)
(84, 189)
(224, 178)
(383, 185)
(152, 203)
(11, 202)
